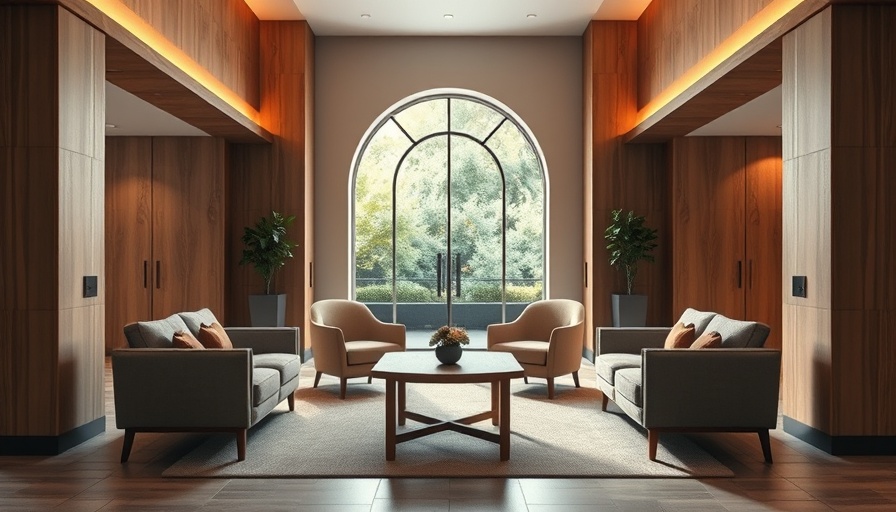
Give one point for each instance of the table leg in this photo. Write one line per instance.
(402, 402)
(504, 400)
(495, 402)
(390, 419)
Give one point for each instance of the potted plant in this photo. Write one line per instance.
(448, 341)
(629, 241)
(267, 248)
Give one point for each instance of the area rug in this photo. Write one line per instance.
(328, 437)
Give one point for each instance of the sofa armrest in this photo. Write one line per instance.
(265, 340)
(710, 388)
(629, 340)
(180, 388)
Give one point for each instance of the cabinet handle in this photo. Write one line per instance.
(586, 274)
(310, 274)
(740, 274)
(457, 277)
(145, 273)
(158, 274)
(438, 274)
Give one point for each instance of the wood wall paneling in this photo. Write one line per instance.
(220, 35)
(589, 236)
(806, 100)
(806, 365)
(630, 177)
(708, 224)
(280, 176)
(128, 224)
(673, 36)
(763, 234)
(188, 224)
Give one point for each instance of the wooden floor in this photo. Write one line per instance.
(89, 477)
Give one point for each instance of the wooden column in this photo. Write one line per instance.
(52, 117)
(839, 180)
(278, 176)
(619, 175)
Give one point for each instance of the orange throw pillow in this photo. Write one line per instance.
(214, 336)
(710, 339)
(183, 339)
(681, 336)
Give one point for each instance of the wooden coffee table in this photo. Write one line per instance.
(399, 368)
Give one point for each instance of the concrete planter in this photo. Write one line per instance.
(267, 310)
(629, 310)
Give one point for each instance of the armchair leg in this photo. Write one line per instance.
(291, 400)
(241, 444)
(653, 438)
(550, 388)
(369, 379)
(128, 443)
(575, 378)
(343, 382)
(604, 401)
(765, 441)
(525, 379)
(317, 378)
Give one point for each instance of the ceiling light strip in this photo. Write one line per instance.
(740, 38)
(128, 19)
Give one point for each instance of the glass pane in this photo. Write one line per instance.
(373, 219)
(474, 118)
(525, 218)
(421, 236)
(424, 118)
(476, 236)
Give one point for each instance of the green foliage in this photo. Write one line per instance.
(629, 241)
(491, 292)
(407, 292)
(267, 247)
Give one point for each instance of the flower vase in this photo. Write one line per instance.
(449, 354)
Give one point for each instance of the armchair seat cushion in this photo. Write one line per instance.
(607, 365)
(265, 384)
(287, 365)
(526, 351)
(368, 352)
(628, 384)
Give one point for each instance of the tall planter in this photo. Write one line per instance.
(629, 310)
(267, 310)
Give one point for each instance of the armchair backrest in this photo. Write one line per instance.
(352, 317)
(543, 316)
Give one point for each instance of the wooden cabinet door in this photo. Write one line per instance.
(708, 225)
(128, 218)
(763, 235)
(188, 224)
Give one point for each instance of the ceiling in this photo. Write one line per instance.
(133, 116)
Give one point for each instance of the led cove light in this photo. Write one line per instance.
(746, 33)
(121, 14)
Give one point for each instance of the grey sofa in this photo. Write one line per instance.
(158, 388)
(732, 388)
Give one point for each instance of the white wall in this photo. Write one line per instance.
(358, 78)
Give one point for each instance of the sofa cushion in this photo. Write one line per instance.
(214, 336)
(265, 384)
(195, 319)
(606, 365)
(628, 384)
(525, 352)
(153, 334)
(709, 339)
(287, 365)
(680, 336)
(738, 333)
(700, 319)
(368, 352)
(183, 339)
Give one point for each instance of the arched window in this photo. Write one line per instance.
(449, 196)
